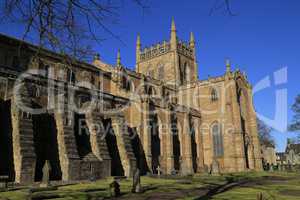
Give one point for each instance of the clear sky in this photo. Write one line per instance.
(262, 38)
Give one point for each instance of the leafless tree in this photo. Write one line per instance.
(65, 26)
(223, 6)
(264, 134)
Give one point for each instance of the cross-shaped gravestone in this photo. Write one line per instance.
(215, 167)
(46, 174)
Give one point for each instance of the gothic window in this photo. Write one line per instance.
(71, 77)
(125, 83)
(217, 140)
(214, 95)
(46, 68)
(161, 72)
(92, 80)
(184, 73)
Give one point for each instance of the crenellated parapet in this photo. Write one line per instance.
(155, 50)
(185, 49)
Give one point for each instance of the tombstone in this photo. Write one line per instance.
(173, 172)
(92, 173)
(215, 168)
(158, 171)
(46, 174)
(206, 169)
(136, 185)
(4, 182)
(280, 168)
(115, 186)
(267, 167)
(271, 168)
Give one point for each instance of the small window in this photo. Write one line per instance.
(71, 77)
(214, 95)
(93, 80)
(46, 68)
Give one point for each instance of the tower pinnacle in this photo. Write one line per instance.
(119, 59)
(138, 41)
(228, 66)
(173, 28)
(173, 39)
(192, 40)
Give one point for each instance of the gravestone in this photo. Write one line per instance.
(206, 169)
(136, 186)
(158, 171)
(173, 172)
(3, 182)
(271, 168)
(215, 168)
(114, 189)
(46, 174)
(280, 167)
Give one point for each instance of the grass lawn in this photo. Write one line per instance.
(279, 185)
(271, 189)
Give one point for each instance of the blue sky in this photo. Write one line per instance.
(263, 37)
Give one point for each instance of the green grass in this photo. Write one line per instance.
(100, 188)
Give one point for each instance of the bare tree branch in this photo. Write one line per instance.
(223, 5)
(68, 27)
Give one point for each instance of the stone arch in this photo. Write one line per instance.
(156, 137)
(6, 146)
(71, 76)
(125, 81)
(217, 139)
(117, 168)
(45, 144)
(82, 135)
(138, 150)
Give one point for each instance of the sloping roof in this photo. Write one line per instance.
(281, 156)
(294, 147)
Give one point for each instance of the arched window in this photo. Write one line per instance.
(71, 77)
(47, 71)
(183, 73)
(125, 83)
(217, 140)
(214, 95)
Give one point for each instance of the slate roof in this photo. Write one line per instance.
(295, 147)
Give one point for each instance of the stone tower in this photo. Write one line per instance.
(171, 61)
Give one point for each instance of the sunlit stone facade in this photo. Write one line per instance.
(97, 120)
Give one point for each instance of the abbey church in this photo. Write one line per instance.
(98, 119)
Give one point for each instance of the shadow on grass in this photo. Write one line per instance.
(230, 184)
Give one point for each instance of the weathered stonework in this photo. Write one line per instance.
(158, 117)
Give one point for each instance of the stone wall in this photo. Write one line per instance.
(171, 120)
